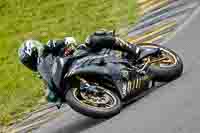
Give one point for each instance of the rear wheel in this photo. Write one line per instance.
(102, 104)
(167, 66)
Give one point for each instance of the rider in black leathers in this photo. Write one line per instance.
(40, 58)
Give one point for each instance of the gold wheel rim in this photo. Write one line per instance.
(170, 58)
(90, 104)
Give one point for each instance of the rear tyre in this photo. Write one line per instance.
(165, 72)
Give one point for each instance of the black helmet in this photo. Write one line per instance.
(29, 52)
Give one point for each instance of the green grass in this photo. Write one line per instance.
(43, 20)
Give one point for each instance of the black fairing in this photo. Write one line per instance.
(101, 66)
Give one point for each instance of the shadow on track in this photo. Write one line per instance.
(77, 126)
(85, 123)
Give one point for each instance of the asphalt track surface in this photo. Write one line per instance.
(173, 108)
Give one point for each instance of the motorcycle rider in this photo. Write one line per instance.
(40, 58)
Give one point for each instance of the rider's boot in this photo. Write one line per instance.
(146, 51)
(136, 52)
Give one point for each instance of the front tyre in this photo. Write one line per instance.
(104, 106)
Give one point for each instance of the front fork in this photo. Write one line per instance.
(86, 87)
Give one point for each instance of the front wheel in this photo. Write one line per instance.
(167, 66)
(105, 105)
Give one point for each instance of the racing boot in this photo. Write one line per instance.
(143, 52)
(136, 53)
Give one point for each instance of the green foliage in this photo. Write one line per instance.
(43, 20)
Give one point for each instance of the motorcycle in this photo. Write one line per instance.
(99, 84)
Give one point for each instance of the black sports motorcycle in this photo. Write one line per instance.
(99, 84)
